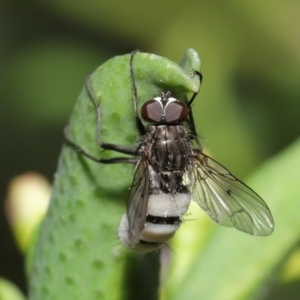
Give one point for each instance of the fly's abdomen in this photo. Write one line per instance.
(164, 213)
(164, 216)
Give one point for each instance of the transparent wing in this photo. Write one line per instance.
(227, 200)
(138, 201)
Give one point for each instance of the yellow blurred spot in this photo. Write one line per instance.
(291, 269)
(26, 204)
(9, 291)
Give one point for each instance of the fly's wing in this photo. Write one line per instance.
(138, 201)
(227, 200)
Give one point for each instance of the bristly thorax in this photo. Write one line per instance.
(167, 148)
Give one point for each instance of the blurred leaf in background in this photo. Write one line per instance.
(247, 110)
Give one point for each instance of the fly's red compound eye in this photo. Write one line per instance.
(176, 112)
(164, 110)
(152, 111)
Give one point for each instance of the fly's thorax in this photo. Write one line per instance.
(167, 147)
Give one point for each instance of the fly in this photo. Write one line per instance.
(169, 172)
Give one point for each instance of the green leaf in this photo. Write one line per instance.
(78, 254)
(214, 262)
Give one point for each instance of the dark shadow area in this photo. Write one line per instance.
(139, 276)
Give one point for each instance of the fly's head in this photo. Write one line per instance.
(164, 109)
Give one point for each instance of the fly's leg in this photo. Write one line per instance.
(195, 94)
(191, 117)
(140, 126)
(106, 146)
(114, 160)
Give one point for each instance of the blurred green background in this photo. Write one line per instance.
(247, 110)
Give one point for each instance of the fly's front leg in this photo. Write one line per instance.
(139, 124)
(191, 117)
(106, 146)
(118, 148)
(195, 94)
